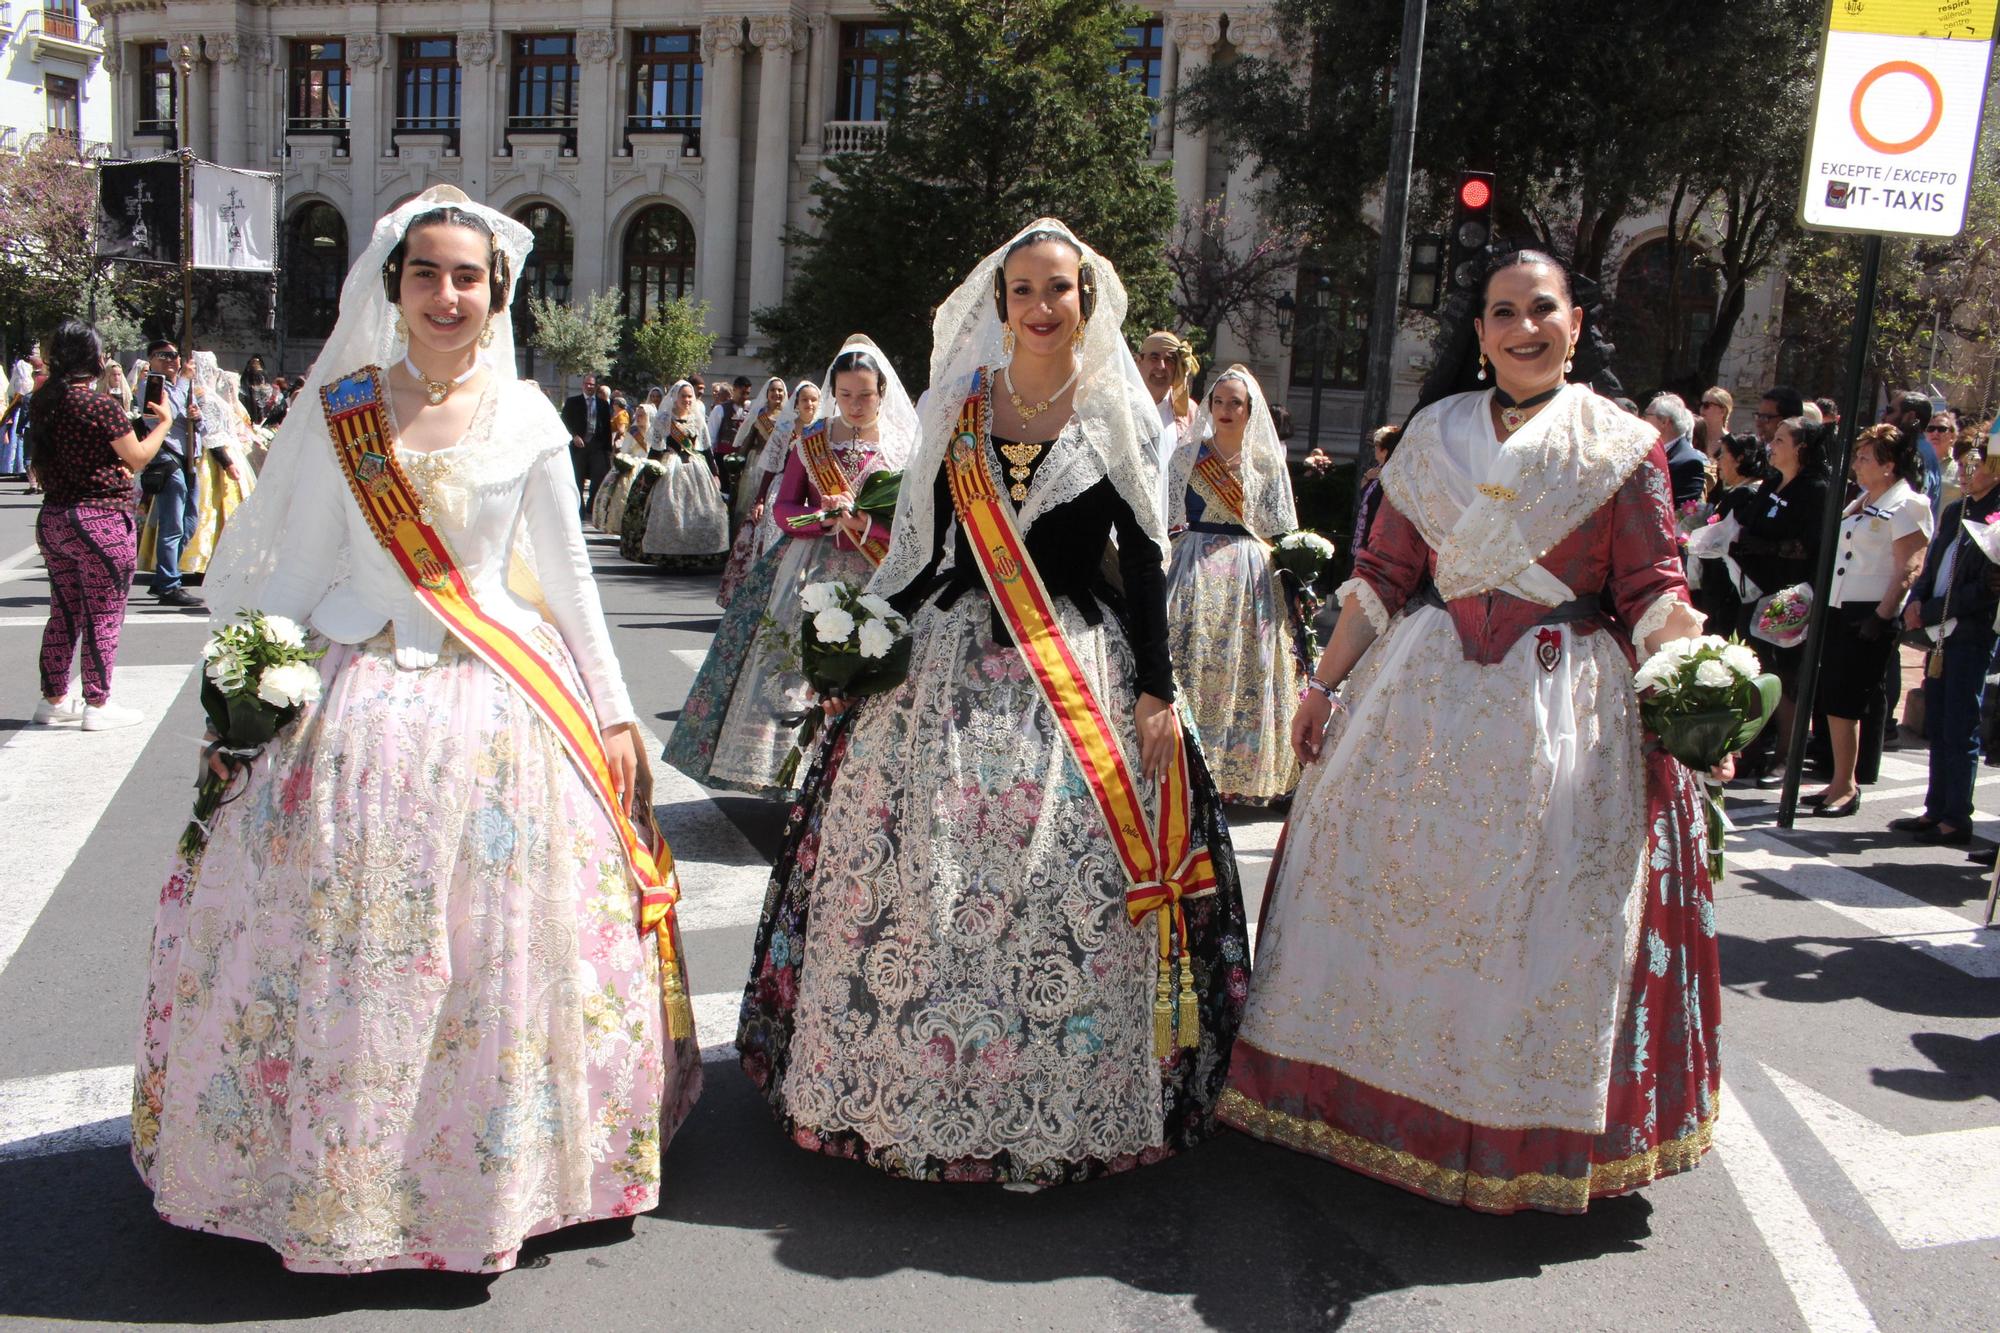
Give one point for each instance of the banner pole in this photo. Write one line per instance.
(1829, 530)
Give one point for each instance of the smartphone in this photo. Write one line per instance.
(156, 389)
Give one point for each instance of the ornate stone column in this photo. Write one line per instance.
(819, 63)
(365, 139)
(722, 169)
(599, 128)
(777, 36)
(231, 145)
(476, 138)
(1195, 37)
(195, 88)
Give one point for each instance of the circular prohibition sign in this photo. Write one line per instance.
(1883, 71)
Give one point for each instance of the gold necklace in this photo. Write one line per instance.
(1021, 460)
(1025, 412)
(436, 391)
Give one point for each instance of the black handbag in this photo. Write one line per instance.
(153, 477)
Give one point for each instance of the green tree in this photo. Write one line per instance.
(1005, 112)
(670, 346)
(578, 336)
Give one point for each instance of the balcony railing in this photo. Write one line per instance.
(10, 139)
(84, 150)
(67, 33)
(855, 136)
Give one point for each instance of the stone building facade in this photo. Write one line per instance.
(655, 148)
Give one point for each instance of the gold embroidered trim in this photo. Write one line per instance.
(1492, 491)
(1495, 1193)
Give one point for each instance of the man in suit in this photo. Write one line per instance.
(587, 417)
(1685, 465)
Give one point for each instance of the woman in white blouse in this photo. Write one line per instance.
(1882, 538)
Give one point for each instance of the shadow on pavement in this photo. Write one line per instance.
(1887, 973)
(1964, 1068)
(1246, 1235)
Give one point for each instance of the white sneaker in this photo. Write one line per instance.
(108, 716)
(69, 710)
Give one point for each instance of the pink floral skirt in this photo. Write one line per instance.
(399, 1012)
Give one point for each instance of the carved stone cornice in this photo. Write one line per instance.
(475, 46)
(721, 35)
(594, 46)
(1197, 33)
(364, 49)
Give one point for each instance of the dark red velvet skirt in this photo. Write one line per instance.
(1660, 1108)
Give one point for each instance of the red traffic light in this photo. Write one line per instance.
(1475, 193)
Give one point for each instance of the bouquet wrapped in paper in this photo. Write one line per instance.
(257, 675)
(1785, 616)
(851, 644)
(1706, 699)
(876, 499)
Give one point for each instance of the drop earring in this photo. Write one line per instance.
(1482, 367)
(1007, 341)
(486, 333)
(402, 326)
(1569, 362)
(1076, 339)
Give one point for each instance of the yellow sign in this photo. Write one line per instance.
(1948, 20)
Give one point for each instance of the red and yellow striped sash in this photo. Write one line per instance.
(1221, 486)
(366, 450)
(831, 480)
(1160, 861)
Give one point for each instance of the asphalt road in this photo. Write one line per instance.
(1856, 1183)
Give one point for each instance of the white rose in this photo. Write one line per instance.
(1654, 672)
(876, 639)
(1741, 660)
(210, 649)
(833, 625)
(289, 685)
(1713, 675)
(285, 630)
(224, 666)
(878, 607)
(816, 597)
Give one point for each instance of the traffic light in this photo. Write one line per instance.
(1471, 229)
(1426, 287)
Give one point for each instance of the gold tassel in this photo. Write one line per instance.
(1163, 996)
(680, 1010)
(1190, 1010)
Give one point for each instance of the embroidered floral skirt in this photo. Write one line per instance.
(399, 1013)
(608, 507)
(1231, 629)
(742, 714)
(216, 496)
(1468, 993)
(945, 983)
(687, 523)
(753, 537)
(632, 520)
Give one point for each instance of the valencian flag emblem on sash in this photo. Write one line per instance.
(365, 449)
(1161, 863)
(832, 481)
(1220, 486)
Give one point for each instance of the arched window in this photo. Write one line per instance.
(659, 259)
(545, 274)
(1658, 326)
(315, 262)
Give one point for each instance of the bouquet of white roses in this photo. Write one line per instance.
(256, 676)
(1706, 699)
(1304, 554)
(851, 644)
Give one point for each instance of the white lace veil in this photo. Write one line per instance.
(784, 431)
(1119, 420)
(1268, 508)
(663, 419)
(896, 422)
(253, 543)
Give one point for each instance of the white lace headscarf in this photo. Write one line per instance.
(1117, 418)
(664, 418)
(786, 430)
(896, 422)
(1268, 508)
(253, 543)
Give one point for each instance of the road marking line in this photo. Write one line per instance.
(92, 1108)
(1820, 1287)
(1926, 1189)
(1884, 912)
(183, 621)
(87, 768)
(12, 567)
